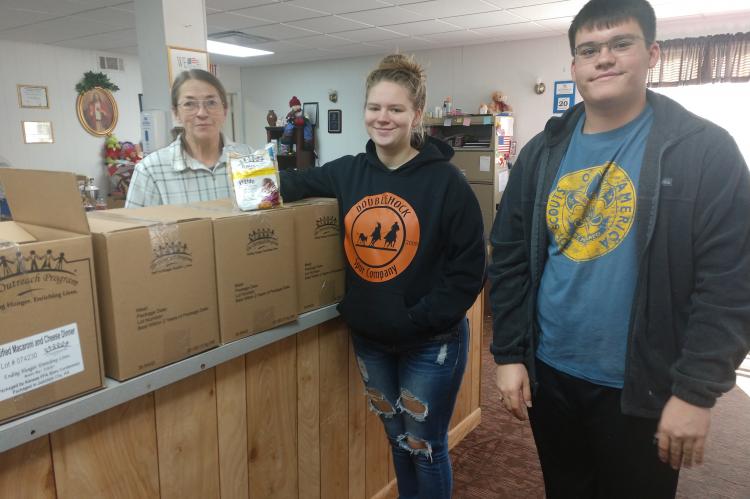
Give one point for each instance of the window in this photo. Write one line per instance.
(726, 104)
(707, 59)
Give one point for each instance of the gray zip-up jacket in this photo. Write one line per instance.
(690, 319)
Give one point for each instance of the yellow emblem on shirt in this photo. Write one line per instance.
(591, 211)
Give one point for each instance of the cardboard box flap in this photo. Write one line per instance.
(102, 223)
(161, 213)
(13, 233)
(309, 201)
(45, 198)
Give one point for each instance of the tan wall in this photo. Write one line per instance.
(286, 421)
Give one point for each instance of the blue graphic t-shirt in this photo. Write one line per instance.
(589, 279)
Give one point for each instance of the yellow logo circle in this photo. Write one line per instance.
(591, 211)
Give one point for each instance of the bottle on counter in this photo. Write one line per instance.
(91, 193)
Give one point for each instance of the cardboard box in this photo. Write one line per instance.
(320, 258)
(157, 287)
(255, 254)
(50, 347)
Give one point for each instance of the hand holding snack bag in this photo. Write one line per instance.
(255, 179)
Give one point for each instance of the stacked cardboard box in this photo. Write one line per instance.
(50, 346)
(255, 277)
(157, 287)
(320, 261)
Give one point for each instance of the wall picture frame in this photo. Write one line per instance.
(310, 109)
(334, 121)
(97, 111)
(34, 96)
(37, 132)
(181, 59)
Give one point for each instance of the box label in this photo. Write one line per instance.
(39, 360)
(262, 240)
(327, 226)
(36, 278)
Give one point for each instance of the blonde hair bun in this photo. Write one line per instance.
(405, 71)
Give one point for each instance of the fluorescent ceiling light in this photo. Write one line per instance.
(233, 50)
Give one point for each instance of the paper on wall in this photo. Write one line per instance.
(484, 163)
(502, 179)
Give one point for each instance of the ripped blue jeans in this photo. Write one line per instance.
(414, 391)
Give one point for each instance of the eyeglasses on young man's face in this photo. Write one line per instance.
(619, 45)
(192, 106)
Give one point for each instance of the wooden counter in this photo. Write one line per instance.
(288, 420)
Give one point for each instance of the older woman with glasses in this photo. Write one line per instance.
(193, 167)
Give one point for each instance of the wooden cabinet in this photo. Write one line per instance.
(299, 155)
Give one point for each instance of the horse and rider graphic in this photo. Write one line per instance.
(389, 241)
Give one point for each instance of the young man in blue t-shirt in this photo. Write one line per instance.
(620, 288)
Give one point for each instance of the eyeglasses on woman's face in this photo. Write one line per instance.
(192, 106)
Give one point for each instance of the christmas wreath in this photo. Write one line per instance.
(91, 80)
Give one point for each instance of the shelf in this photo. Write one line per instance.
(114, 393)
(483, 149)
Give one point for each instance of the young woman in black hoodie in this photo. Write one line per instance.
(413, 240)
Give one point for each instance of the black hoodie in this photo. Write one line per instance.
(413, 241)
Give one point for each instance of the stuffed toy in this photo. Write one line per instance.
(499, 103)
(295, 118)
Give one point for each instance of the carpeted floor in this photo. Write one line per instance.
(499, 461)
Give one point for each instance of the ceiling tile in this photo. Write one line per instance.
(105, 41)
(684, 8)
(550, 10)
(280, 12)
(509, 4)
(449, 8)
(369, 35)
(227, 21)
(280, 47)
(388, 15)
(112, 16)
(322, 41)
(234, 4)
(52, 7)
(329, 24)
(341, 6)
(527, 28)
(485, 19)
(423, 27)
(279, 31)
(55, 30)
(10, 18)
(454, 37)
(411, 43)
(560, 24)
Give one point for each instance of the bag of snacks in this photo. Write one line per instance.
(255, 179)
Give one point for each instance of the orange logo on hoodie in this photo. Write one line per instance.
(382, 236)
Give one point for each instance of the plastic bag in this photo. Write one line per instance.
(255, 179)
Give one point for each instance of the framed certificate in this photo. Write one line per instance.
(180, 59)
(37, 132)
(32, 96)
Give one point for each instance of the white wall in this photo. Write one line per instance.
(59, 69)
(272, 87)
(231, 78)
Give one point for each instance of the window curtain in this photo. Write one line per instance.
(707, 59)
